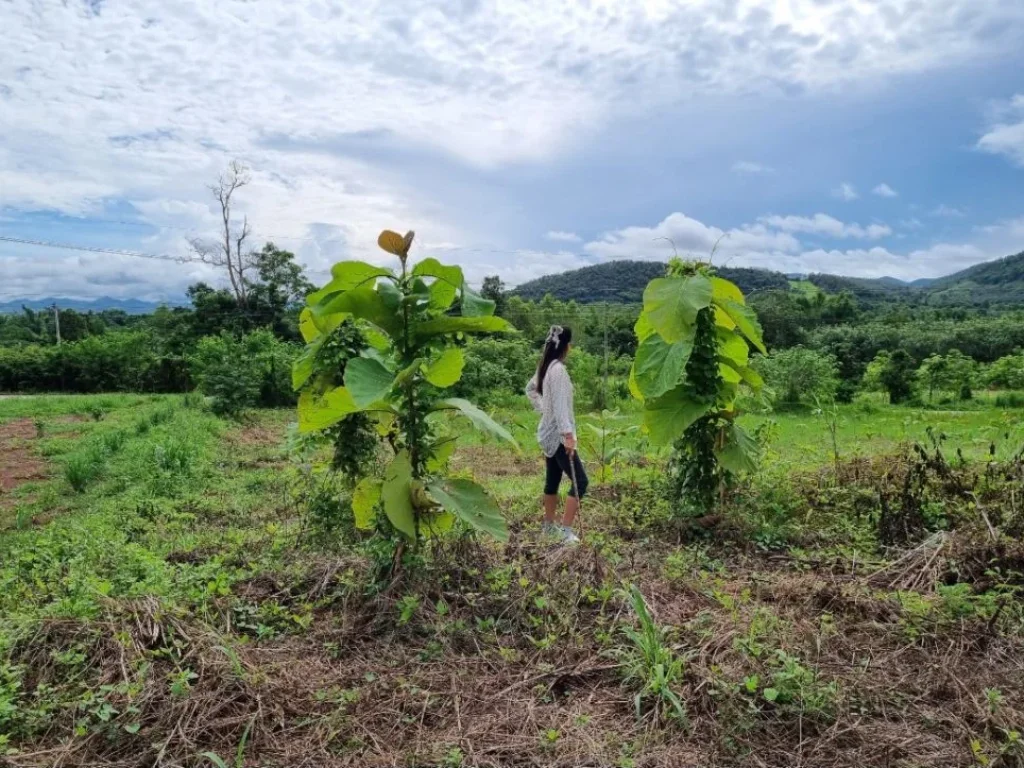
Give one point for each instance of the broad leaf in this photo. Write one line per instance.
(319, 412)
(480, 419)
(671, 304)
(363, 303)
(667, 417)
(367, 380)
(302, 368)
(392, 242)
(307, 327)
(346, 276)
(365, 498)
(732, 346)
(746, 320)
(739, 451)
(397, 494)
(475, 305)
(437, 523)
(443, 325)
(470, 503)
(441, 451)
(643, 327)
(729, 373)
(447, 283)
(723, 290)
(409, 371)
(659, 366)
(745, 372)
(447, 369)
(634, 388)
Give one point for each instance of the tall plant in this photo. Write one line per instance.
(408, 324)
(693, 357)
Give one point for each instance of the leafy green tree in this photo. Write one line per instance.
(898, 377)
(397, 379)
(692, 358)
(494, 289)
(1006, 373)
(244, 372)
(800, 375)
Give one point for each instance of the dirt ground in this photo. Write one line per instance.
(18, 463)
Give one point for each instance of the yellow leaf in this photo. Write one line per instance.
(307, 327)
(392, 242)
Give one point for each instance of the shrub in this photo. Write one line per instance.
(114, 441)
(82, 468)
(800, 375)
(898, 377)
(240, 373)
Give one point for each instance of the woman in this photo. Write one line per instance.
(550, 391)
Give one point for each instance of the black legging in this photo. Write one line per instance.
(558, 465)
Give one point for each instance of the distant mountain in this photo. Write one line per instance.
(130, 306)
(992, 282)
(624, 282)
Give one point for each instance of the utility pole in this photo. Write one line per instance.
(56, 321)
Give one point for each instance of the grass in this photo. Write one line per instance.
(177, 609)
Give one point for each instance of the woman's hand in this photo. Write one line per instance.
(569, 441)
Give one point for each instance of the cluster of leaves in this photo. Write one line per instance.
(408, 325)
(238, 373)
(692, 359)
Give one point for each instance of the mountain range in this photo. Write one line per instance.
(130, 306)
(999, 282)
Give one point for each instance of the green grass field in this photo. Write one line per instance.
(176, 589)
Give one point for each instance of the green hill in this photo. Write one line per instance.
(993, 282)
(624, 282)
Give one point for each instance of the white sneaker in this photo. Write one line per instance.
(568, 537)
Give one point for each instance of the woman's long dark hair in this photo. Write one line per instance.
(555, 347)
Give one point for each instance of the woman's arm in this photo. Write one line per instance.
(561, 394)
(534, 395)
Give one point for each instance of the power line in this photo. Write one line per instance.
(95, 249)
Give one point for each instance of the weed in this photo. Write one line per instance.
(651, 664)
(40, 426)
(174, 455)
(114, 441)
(81, 469)
(96, 412)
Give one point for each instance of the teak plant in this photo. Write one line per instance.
(692, 358)
(408, 323)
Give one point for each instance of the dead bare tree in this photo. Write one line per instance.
(231, 253)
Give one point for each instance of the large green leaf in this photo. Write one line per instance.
(667, 417)
(732, 346)
(659, 366)
(447, 283)
(322, 411)
(671, 304)
(367, 380)
(745, 373)
(475, 305)
(470, 502)
(441, 451)
(443, 325)
(365, 498)
(302, 367)
(723, 290)
(480, 419)
(739, 451)
(409, 371)
(347, 275)
(447, 369)
(746, 320)
(364, 303)
(643, 328)
(397, 494)
(307, 327)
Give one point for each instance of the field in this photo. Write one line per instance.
(178, 589)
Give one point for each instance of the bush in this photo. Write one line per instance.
(800, 375)
(898, 377)
(496, 369)
(82, 468)
(115, 362)
(246, 372)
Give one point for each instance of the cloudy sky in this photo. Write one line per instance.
(517, 137)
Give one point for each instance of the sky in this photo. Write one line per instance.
(516, 137)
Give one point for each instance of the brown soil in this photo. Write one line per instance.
(486, 462)
(18, 462)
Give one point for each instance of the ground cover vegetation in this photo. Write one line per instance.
(327, 552)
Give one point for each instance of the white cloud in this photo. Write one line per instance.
(564, 237)
(823, 224)
(141, 103)
(946, 211)
(884, 190)
(845, 191)
(1006, 135)
(746, 166)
